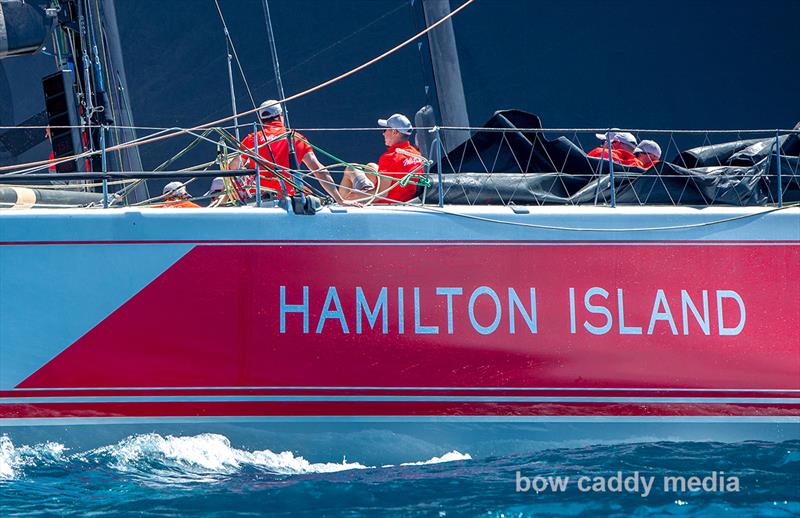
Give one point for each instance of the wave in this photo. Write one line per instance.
(13, 460)
(452, 456)
(7, 458)
(206, 453)
(175, 459)
(205, 475)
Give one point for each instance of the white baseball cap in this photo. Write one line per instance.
(648, 146)
(217, 185)
(175, 188)
(397, 121)
(269, 109)
(618, 136)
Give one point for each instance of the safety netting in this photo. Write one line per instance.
(513, 160)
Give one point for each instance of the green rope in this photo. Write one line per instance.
(411, 177)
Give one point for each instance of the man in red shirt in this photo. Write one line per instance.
(395, 164)
(273, 148)
(647, 153)
(622, 146)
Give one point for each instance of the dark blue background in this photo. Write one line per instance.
(720, 64)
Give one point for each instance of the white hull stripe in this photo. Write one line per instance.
(453, 399)
(104, 421)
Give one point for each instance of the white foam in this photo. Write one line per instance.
(179, 458)
(8, 458)
(13, 459)
(42, 454)
(451, 456)
(209, 453)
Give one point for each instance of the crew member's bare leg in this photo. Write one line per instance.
(356, 184)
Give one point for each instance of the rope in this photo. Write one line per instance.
(433, 128)
(579, 229)
(70, 186)
(337, 43)
(367, 200)
(235, 54)
(123, 194)
(419, 179)
(563, 130)
(44, 164)
(372, 197)
(298, 95)
(615, 230)
(593, 130)
(272, 167)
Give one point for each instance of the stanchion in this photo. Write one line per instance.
(258, 167)
(104, 166)
(778, 163)
(611, 169)
(439, 164)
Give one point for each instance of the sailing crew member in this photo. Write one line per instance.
(216, 192)
(647, 153)
(273, 148)
(622, 145)
(400, 159)
(176, 197)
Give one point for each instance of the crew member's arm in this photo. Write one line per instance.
(236, 163)
(325, 178)
(243, 161)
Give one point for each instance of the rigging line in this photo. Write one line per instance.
(368, 198)
(290, 98)
(395, 203)
(66, 187)
(578, 229)
(271, 167)
(162, 196)
(115, 126)
(745, 132)
(293, 163)
(106, 68)
(43, 164)
(183, 131)
(235, 54)
(337, 43)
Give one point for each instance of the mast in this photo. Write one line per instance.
(117, 86)
(104, 115)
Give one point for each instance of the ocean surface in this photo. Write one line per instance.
(204, 475)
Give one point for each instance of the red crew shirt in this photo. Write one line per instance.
(642, 165)
(272, 144)
(399, 160)
(619, 156)
(174, 203)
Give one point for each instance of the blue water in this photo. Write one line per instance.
(154, 475)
